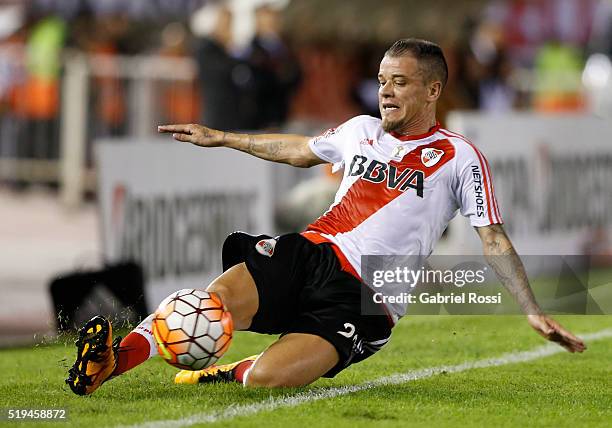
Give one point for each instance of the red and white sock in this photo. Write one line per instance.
(241, 371)
(137, 347)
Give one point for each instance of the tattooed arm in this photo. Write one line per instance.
(283, 148)
(502, 257)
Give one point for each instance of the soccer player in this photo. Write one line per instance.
(404, 179)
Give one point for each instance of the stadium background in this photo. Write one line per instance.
(83, 85)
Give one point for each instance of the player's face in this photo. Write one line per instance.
(402, 94)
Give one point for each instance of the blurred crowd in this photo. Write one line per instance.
(247, 88)
(531, 54)
(543, 55)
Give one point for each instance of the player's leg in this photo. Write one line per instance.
(137, 347)
(99, 358)
(304, 294)
(324, 333)
(296, 359)
(238, 293)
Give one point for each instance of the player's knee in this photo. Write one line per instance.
(261, 377)
(224, 292)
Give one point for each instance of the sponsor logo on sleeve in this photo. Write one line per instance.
(478, 191)
(326, 134)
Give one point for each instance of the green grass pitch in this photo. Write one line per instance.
(558, 390)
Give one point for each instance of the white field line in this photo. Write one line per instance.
(311, 395)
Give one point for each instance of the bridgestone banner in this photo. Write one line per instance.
(169, 207)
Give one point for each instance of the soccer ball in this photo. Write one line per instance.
(191, 329)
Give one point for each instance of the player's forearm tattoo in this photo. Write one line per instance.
(511, 272)
(274, 148)
(251, 147)
(270, 150)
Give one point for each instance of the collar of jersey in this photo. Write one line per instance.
(429, 133)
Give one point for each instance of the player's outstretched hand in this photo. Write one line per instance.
(553, 331)
(194, 134)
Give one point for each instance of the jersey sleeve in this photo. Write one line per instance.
(475, 194)
(331, 145)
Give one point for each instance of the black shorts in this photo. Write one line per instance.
(302, 289)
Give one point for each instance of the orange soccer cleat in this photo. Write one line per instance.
(96, 356)
(214, 374)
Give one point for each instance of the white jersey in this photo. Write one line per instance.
(399, 193)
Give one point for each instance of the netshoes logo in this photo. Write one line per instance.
(478, 191)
